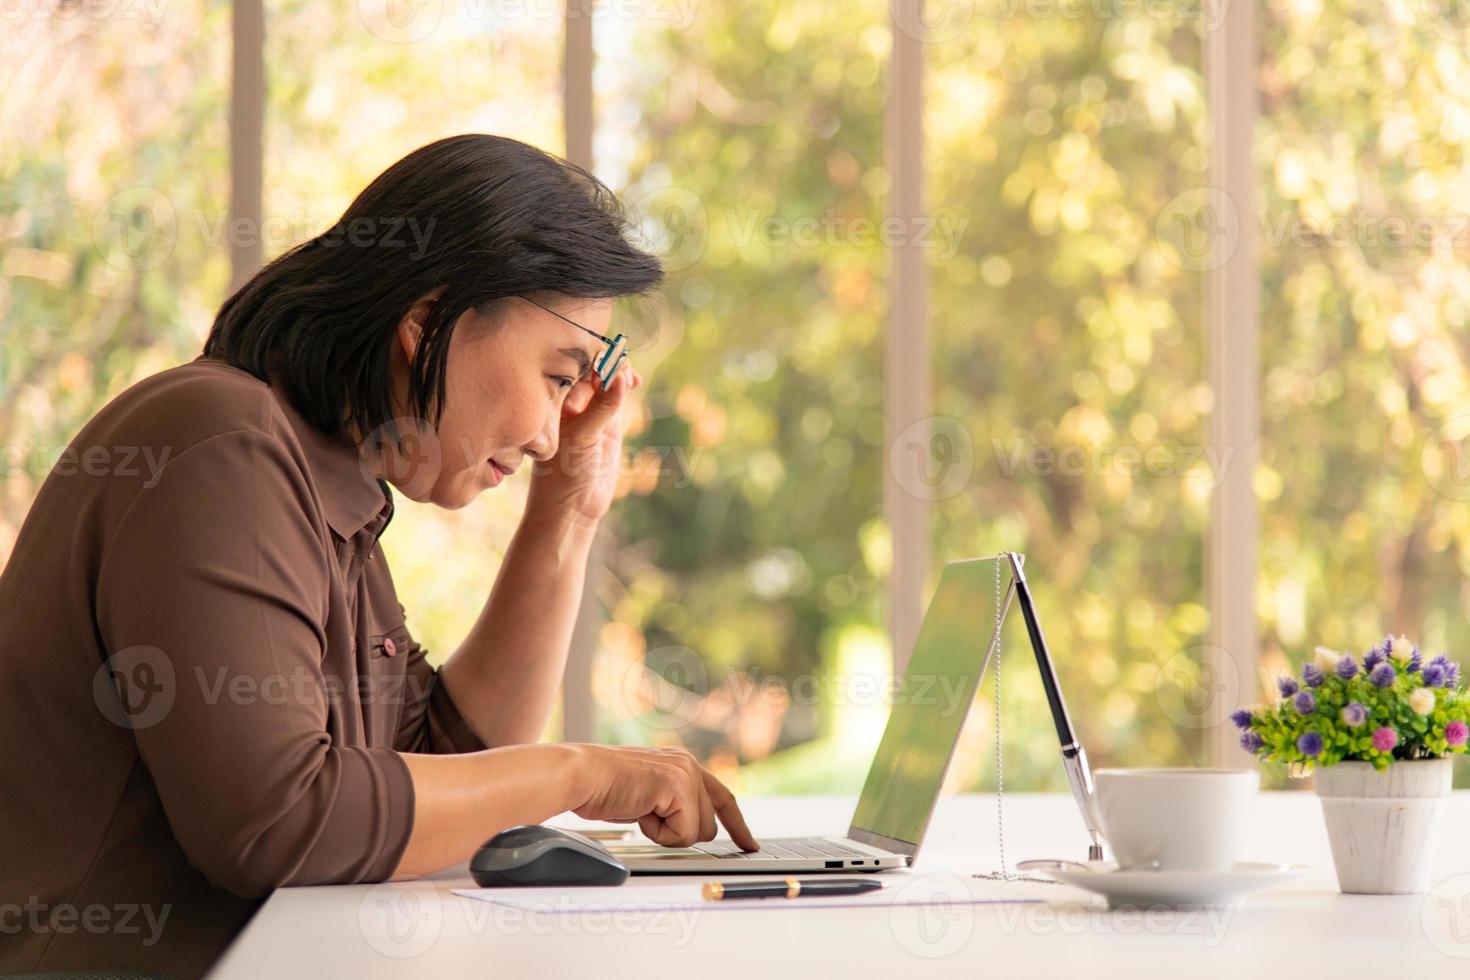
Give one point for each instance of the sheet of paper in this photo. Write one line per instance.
(907, 890)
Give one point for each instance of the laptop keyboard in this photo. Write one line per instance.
(785, 847)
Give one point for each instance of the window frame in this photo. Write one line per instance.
(1232, 324)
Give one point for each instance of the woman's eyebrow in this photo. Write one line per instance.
(580, 356)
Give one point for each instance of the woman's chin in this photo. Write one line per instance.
(463, 494)
(450, 494)
(467, 488)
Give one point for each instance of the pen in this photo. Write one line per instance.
(716, 891)
(1074, 759)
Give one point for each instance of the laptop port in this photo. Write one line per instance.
(833, 864)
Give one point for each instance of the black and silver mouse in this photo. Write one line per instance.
(535, 855)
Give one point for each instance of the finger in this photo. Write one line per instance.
(607, 402)
(585, 396)
(653, 828)
(729, 813)
(695, 776)
(578, 398)
(707, 827)
(680, 816)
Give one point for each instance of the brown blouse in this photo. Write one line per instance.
(205, 680)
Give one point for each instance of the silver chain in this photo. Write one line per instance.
(1003, 873)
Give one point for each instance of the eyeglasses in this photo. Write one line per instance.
(606, 366)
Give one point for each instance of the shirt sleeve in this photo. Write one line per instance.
(219, 568)
(433, 724)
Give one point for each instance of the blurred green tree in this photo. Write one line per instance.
(745, 591)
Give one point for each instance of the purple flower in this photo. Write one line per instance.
(1449, 672)
(1385, 738)
(1252, 742)
(1312, 675)
(1383, 675)
(1433, 675)
(1347, 667)
(1310, 744)
(1287, 686)
(1373, 658)
(1414, 659)
(1450, 668)
(1304, 702)
(1354, 714)
(1242, 718)
(1455, 734)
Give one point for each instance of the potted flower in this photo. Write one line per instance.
(1379, 735)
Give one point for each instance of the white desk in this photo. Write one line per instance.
(1303, 929)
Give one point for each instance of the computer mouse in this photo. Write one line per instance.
(535, 855)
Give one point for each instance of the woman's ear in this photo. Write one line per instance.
(411, 327)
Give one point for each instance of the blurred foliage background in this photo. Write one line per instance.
(744, 588)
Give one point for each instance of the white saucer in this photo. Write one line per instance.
(1175, 888)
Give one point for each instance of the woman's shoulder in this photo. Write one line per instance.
(182, 406)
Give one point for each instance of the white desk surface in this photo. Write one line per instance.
(1305, 928)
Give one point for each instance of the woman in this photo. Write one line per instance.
(210, 687)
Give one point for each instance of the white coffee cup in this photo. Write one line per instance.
(1185, 819)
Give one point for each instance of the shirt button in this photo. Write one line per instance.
(389, 647)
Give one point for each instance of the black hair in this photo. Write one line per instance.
(481, 218)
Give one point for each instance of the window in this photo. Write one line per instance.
(352, 89)
(1364, 232)
(747, 574)
(1070, 391)
(1079, 171)
(113, 186)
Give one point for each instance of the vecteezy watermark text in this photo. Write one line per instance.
(832, 229)
(1082, 460)
(122, 918)
(38, 460)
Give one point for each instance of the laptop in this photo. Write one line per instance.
(949, 659)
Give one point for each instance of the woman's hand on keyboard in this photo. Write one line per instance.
(674, 799)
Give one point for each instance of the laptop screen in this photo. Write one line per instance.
(931, 702)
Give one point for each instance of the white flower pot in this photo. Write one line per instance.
(1384, 826)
